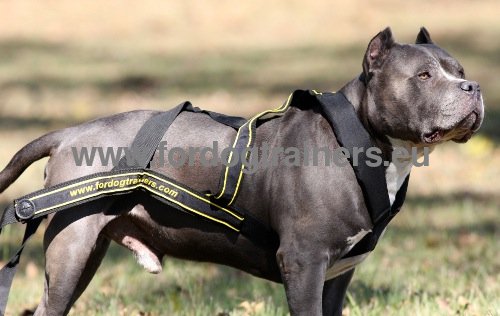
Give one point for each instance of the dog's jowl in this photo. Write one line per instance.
(304, 226)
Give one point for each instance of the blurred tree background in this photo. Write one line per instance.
(65, 62)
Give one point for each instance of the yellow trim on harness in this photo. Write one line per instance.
(148, 189)
(140, 185)
(81, 183)
(191, 209)
(199, 197)
(84, 198)
(218, 196)
(280, 109)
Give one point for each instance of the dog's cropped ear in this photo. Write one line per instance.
(423, 37)
(377, 51)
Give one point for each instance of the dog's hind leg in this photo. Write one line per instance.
(74, 249)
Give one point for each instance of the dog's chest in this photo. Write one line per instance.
(395, 176)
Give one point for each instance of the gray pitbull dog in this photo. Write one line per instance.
(410, 95)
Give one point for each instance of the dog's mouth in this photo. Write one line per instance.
(433, 137)
(461, 133)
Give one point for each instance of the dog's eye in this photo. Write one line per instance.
(461, 73)
(424, 75)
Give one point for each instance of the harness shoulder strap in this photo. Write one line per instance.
(351, 134)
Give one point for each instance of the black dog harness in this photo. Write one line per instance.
(215, 207)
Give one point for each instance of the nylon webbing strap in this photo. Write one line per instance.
(124, 181)
(151, 133)
(240, 153)
(149, 136)
(9, 270)
(350, 134)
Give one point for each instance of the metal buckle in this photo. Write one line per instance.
(25, 209)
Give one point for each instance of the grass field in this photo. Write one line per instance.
(62, 63)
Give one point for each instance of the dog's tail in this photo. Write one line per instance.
(37, 149)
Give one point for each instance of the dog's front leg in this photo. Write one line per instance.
(303, 273)
(334, 292)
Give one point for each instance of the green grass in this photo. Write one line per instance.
(439, 257)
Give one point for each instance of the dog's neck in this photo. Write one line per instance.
(395, 173)
(355, 92)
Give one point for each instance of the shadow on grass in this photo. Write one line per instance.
(363, 293)
(259, 71)
(486, 227)
(195, 72)
(11, 49)
(459, 197)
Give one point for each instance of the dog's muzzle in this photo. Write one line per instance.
(470, 124)
(462, 131)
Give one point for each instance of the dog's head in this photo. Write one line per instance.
(418, 92)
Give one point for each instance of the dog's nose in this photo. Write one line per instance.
(470, 86)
